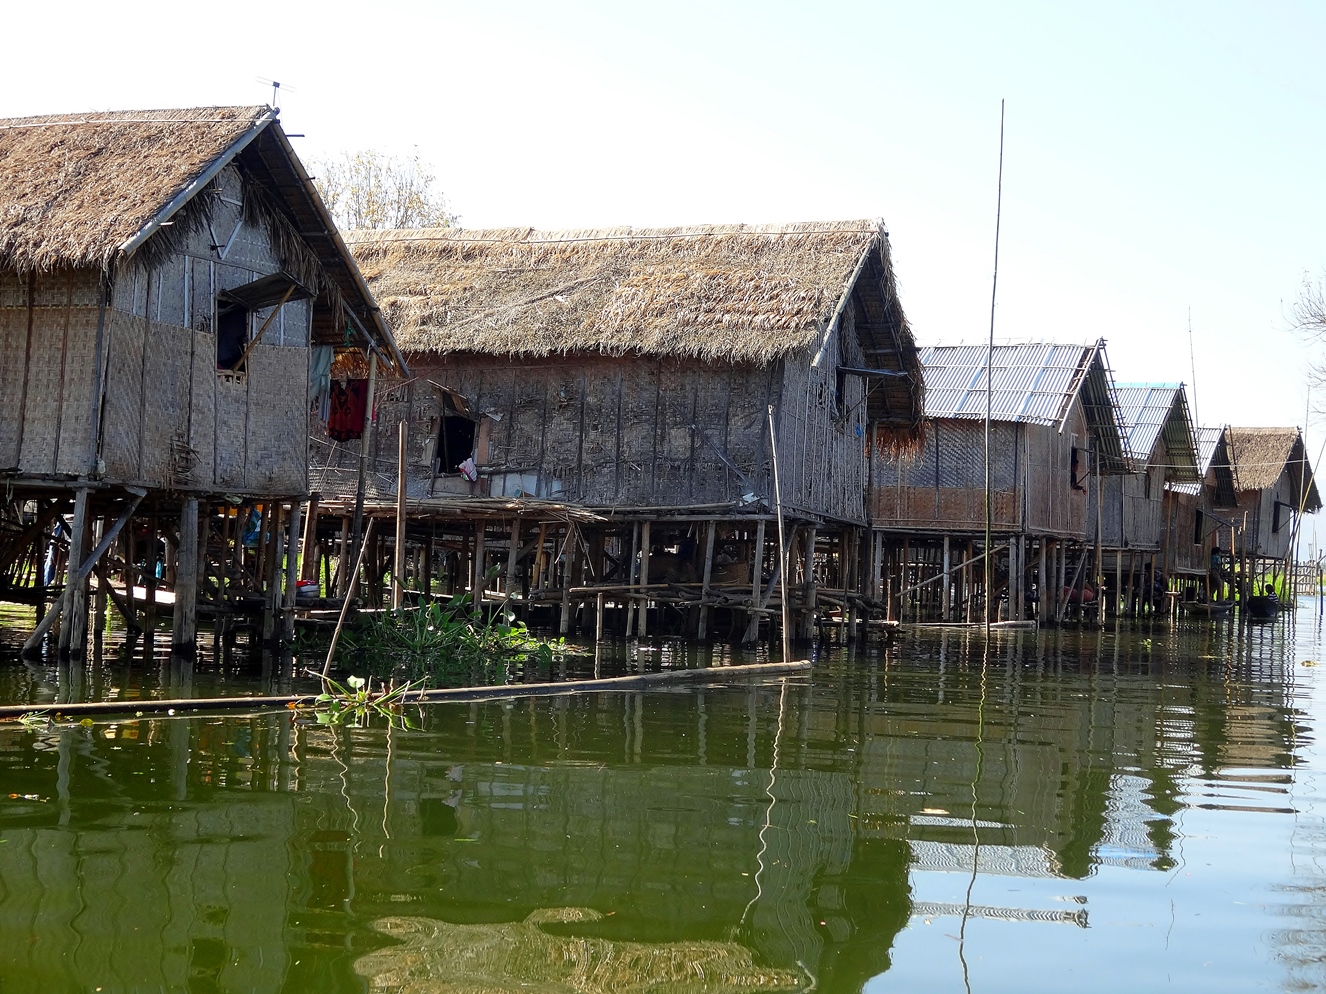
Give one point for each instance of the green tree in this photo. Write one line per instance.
(368, 189)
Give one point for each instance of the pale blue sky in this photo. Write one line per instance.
(1159, 156)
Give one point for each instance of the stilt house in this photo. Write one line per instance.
(1195, 511)
(1054, 435)
(1274, 485)
(166, 280)
(632, 372)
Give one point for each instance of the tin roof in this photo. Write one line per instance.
(1030, 384)
(1150, 412)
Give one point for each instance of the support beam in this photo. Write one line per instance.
(398, 564)
(184, 620)
(702, 631)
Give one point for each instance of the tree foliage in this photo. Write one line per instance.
(368, 189)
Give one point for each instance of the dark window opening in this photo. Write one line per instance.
(1146, 484)
(455, 438)
(1073, 470)
(1197, 529)
(232, 336)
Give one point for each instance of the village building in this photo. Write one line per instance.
(173, 295)
(1274, 487)
(1195, 512)
(589, 415)
(1055, 436)
(1162, 450)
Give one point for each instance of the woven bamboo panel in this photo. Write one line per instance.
(202, 417)
(80, 376)
(946, 509)
(13, 350)
(122, 416)
(167, 380)
(231, 446)
(278, 420)
(42, 406)
(202, 295)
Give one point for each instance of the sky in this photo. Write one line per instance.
(1162, 163)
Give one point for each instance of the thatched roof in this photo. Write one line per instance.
(734, 293)
(1261, 455)
(91, 190)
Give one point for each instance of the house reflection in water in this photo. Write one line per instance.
(244, 853)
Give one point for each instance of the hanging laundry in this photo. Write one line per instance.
(345, 419)
(319, 379)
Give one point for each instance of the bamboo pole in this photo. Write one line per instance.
(782, 546)
(702, 631)
(398, 563)
(345, 604)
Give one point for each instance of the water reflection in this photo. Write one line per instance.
(757, 838)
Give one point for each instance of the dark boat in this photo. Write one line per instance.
(1263, 607)
(1207, 609)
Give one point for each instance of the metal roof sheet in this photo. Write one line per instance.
(1031, 383)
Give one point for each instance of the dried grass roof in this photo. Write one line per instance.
(1261, 455)
(76, 187)
(718, 292)
(91, 189)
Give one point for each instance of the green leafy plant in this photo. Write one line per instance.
(446, 642)
(357, 703)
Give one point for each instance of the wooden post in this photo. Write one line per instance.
(479, 576)
(568, 577)
(757, 576)
(365, 444)
(513, 558)
(598, 618)
(903, 579)
(292, 571)
(1118, 582)
(308, 565)
(184, 621)
(1017, 596)
(702, 632)
(811, 588)
(398, 563)
(73, 633)
(428, 570)
(632, 574)
(99, 601)
(946, 603)
(643, 625)
(343, 562)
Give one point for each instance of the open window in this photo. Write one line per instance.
(234, 315)
(457, 435)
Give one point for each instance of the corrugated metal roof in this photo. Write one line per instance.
(1031, 383)
(1151, 411)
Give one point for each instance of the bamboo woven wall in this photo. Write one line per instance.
(599, 430)
(48, 325)
(821, 437)
(943, 489)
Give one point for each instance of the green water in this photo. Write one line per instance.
(1056, 811)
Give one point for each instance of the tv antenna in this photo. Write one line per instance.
(276, 90)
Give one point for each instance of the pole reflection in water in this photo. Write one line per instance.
(1110, 807)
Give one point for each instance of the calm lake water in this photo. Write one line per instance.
(1086, 811)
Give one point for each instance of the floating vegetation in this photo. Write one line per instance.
(357, 703)
(443, 643)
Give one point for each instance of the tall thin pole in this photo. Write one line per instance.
(989, 381)
(782, 545)
(1192, 365)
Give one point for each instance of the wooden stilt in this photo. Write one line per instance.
(513, 558)
(343, 562)
(946, 605)
(752, 635)
(292, 571)
(308, 566)
(811, 586)
(398, 564)
(643, 603)
(702, 632)
(569, 554)
(184, 621)
(99, 601)
(73, 633)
